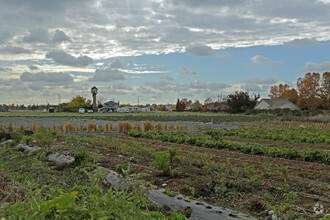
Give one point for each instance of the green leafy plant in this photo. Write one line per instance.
(162, 161)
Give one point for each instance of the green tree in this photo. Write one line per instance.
(78, 102)
(241, 101)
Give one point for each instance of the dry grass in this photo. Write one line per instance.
(147, 126)
(137, 126)
(124, 127)
(91, 127)
(10, 128)
(99, 128)
(165, 128)
(108, 128)
(32, 127)
(158, 126)
(40, 127)
(60, 128)
(21, 128)
(68, 127)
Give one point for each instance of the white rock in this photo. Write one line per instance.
(60, 159)
(28, 149)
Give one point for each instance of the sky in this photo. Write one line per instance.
(156, 51)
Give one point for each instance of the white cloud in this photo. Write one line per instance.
(50, 78)
(267, 81)
(302, 42)
(313, 67)
(60, 36)
(204, 50)
(63, 58)
(14, 50)
(258, 61)
(185, 70)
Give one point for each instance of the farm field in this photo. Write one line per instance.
(261, 172)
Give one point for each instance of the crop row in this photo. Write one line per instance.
(307, 155)
(297, 135)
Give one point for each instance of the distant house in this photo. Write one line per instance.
(134, 109)
(276, 104)
(123, 109)
(110, 106)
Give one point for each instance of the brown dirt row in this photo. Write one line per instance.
(235, 156)
(308, 179)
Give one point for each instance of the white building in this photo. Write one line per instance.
(276, 104)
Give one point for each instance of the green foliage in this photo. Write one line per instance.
(170, 193)
(162, 161)
(296, 135)
(123, 169)
(241, 101)
(248, 148)
(78, 102)
(81, 157)
(174, 155)
(44, 137)
(17, 136)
